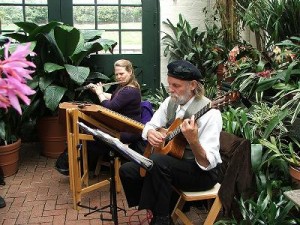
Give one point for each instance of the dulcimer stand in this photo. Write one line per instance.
(97, 117)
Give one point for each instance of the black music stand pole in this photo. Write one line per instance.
(113, 196)
(113, 207)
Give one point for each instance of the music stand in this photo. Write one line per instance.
(112, 206)
(118, 146)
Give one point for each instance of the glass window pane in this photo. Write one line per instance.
(83, 2)
(108, 17)
(107, 2)
(84, 17)
(112, 35)
(11, 1)
(9, 15)
(131, 17)
(36, 14)
(35, 1)
(131, 42)
(131, 2)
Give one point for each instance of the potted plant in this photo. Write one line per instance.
(60, 53)
(14, 74)
(287, 152)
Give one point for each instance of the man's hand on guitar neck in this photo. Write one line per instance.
(155, 138)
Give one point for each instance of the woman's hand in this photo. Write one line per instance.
(97, 88)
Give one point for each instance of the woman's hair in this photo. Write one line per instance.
(129, 68)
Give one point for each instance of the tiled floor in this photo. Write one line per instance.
(38, 194)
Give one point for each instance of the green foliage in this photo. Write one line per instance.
(266, 209)
(106, 14)
(81, 14)
(278, 20)
(235, 121)
(10, 125)
(60, 50)
(265, 120)
(289, 85)
(257, 124)
(157, 97)
(272, 76)
(285, 151)
(203, 49)
(37, 14)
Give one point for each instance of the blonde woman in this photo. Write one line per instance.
(126, 99)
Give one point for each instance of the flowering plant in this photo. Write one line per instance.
(15, 70)
(257, 72)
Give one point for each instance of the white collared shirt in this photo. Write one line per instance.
(209, 128)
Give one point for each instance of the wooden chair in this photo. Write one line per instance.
(229, 146)
(185, 196)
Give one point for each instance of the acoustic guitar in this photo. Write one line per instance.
(175, 142)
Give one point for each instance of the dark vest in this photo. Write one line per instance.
(194, 107)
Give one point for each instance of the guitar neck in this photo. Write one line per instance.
(200, 113)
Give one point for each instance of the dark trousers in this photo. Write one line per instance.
(154, 191)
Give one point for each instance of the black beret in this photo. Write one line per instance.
(184, 70)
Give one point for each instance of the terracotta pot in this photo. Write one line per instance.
(52, 135)
(9, 158)
(295, 174)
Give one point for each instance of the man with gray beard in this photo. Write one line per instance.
(196, 169)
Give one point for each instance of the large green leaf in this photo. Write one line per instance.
(90, 35)
(274, 122)
(67, 39)
(53, 95)
(51, 67)
(45, 81)
(106, 45)
(17, 36)
(92, 47)
(98, 75)
(78, 73)
(256, 156)
(28, 27)
(42, 30)
(56, 54)
(80, 51)
(265, 84)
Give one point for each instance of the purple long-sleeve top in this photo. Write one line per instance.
(126, 101)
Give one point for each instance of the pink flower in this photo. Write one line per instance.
(4, 102)
(16, 90)
(233, 54)
(14, 73)
(14, 65)
(266, 74)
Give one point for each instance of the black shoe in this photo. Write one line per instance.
(2, 202)
(62, 163)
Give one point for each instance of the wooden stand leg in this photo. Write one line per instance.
(117, 175)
